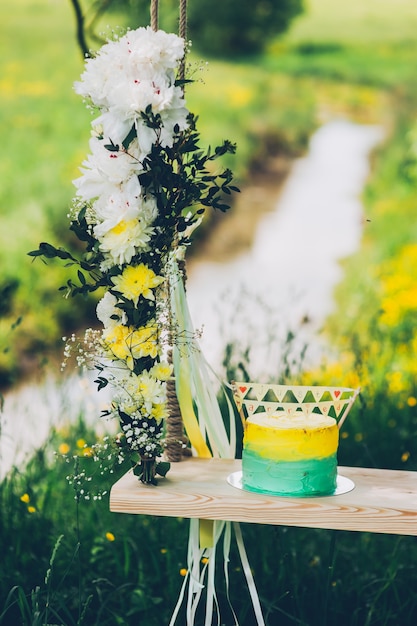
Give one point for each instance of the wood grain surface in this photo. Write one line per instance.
(383, 501)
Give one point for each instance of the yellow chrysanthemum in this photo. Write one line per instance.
(159, 412)
(127, 344)
(25, 498)
(136, 281)
(161, 371)
(31, 509)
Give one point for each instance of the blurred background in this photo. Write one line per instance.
(309, 278)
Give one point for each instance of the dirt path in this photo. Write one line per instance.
(233, 231)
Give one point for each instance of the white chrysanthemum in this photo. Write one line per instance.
(124, 240)
(140, 56)
(104, 170)
(124, 205)
(107, 309)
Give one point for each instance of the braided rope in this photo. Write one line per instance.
(154, 14)
(182, 31)
(175, 440)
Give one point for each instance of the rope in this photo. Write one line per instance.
(175, 440)
(183, 33)
(154, 14)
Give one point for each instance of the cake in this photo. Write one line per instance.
(290, 455)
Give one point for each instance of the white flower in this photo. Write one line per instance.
(105, 171)
(122, 206)
(124, 240)
(106, 309)
(131, 74)
(124, 71)
(125, 227)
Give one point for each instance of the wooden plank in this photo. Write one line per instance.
(383, 501)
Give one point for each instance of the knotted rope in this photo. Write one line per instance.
(175, 440)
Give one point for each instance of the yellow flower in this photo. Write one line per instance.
(164, 550)
(88, 452)
(81, 443)
(25, 498)
(412, 401)
(159, 412)
(31, 509)
(136, 281)
(183, 571)
(128, 344)
(396, 382)
(161, 371)
(64, 448)
(405, 456)
(110, 536)
(204, 560)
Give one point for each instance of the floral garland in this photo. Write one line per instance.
(142, 192)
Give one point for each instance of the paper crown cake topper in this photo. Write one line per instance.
(290, 400)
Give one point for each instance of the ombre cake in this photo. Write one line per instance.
(290, 456)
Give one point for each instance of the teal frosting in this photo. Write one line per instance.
(312, 477)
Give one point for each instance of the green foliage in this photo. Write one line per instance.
(239, 27)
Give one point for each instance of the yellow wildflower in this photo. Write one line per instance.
(64, 448)
(183, 571)
(396, 382)
(412, 401)
(405, 456)
(25, 498)
(81, 443)
(204, 560)
(110, 536)
(136, 281)
(31, 509)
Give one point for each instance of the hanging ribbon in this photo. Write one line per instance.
(206, 430)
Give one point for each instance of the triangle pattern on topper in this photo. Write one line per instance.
(317, 393)
(280, 391)
(270, 395)
(251, 406)
(260, 391)
(300, 393)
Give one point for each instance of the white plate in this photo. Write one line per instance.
(343, 485)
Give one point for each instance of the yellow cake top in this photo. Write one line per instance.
(294, 438)
(297, 420)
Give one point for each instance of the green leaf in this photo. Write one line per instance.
(162, 468)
